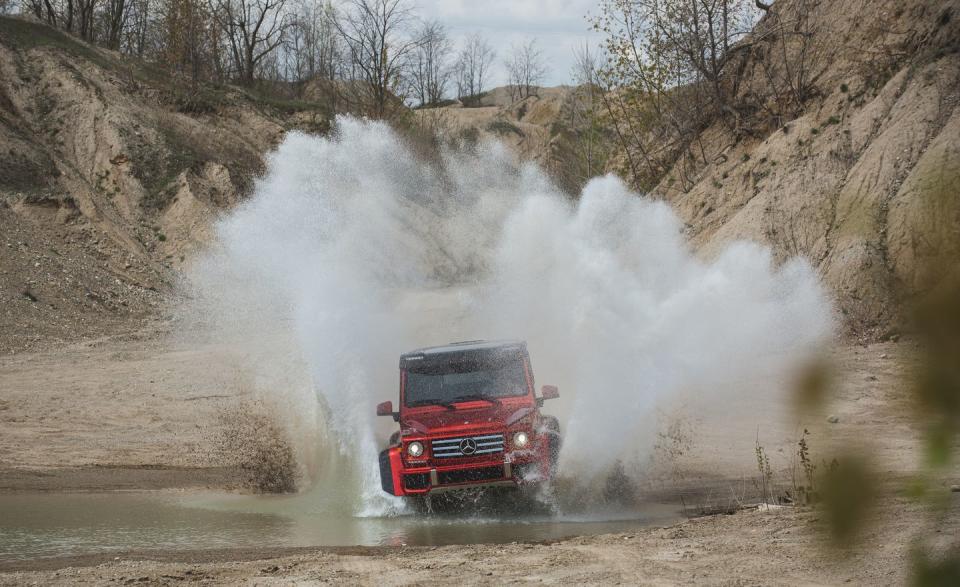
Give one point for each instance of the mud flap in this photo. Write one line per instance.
(390, 467)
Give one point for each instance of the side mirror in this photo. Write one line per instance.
(385, 409)
(549, 392)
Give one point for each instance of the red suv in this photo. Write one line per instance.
(468, 417)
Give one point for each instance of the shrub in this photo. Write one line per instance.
(765, 481)
(503, 127)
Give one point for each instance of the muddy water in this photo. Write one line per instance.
(50, 525)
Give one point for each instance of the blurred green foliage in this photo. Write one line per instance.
(937, 389)
(848, 495)
(848, 487)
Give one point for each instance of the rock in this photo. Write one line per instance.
(884, 356)
(955, 488)
(833, 419)
(870, 378)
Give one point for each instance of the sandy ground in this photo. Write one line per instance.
(117, 412)
(142, 410)
(139, 411)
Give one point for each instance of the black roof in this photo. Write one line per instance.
(456, 351)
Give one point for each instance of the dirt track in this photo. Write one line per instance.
(120, 412)
(140, 411)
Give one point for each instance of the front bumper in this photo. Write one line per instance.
(399, 479)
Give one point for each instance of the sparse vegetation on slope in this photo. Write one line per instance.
(111, 171)
(848, 157)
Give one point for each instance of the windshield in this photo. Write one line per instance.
(464, 382)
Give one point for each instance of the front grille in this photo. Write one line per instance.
(469, 475)
(467, 446)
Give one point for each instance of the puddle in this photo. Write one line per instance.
(67, 524)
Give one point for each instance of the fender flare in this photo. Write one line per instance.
(551, 429)
(390, 467)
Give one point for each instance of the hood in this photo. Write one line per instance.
(472, 416)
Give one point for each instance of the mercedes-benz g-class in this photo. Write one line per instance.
(468, 417)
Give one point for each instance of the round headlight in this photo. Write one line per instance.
(520, 440)
(414, 449)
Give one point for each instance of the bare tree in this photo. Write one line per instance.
(86, 10)
(115, 18)
(583, 110)
(135, 35)
(188, 36)
(297, 45)
(375, 35)
(185, 38)
(313, 47)
(254, 29)
(430, 70)
(74, 16)
(787, 59)
(473, 67)
(525, 70)
(667, 75)
(693, 39)
(43, 10)
(581, 143)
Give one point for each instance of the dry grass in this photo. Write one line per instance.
(252, 438)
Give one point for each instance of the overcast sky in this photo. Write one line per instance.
(558, 25)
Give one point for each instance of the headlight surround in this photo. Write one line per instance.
(521, 439)
(415, 449)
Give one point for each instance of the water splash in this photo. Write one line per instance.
(351, 251)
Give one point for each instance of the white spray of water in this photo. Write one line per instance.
(610, 296)
(360, 251)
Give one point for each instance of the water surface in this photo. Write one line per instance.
(65, 524)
